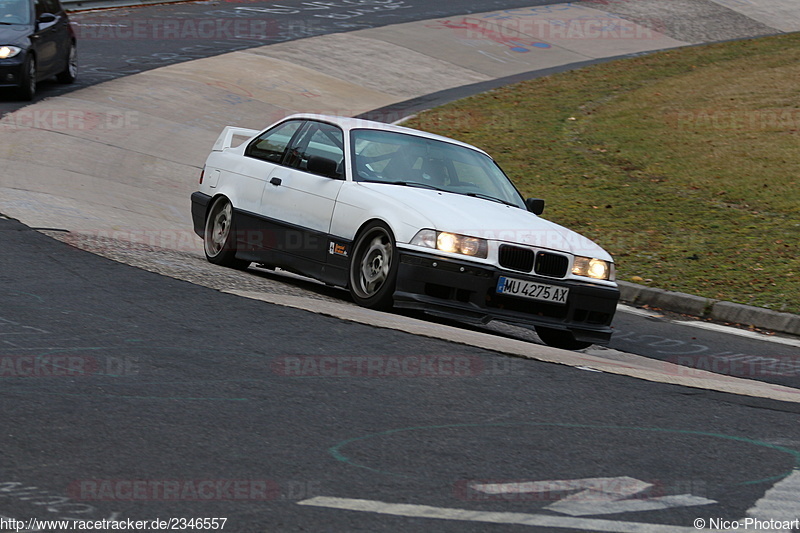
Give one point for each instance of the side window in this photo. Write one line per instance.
(51, 6)
(41, 8)
(319, 149)
(271, 145)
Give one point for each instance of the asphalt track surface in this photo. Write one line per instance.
(114, 375)
(108, 52)
(125, 41)
(134, 377)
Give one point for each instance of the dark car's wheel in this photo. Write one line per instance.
(373, 268)
(27, 86)
(219, 237)
(70, 72)
(559, 338)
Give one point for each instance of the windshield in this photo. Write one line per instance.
(402, 159)
(15, 12)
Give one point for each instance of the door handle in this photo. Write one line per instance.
(276, 181)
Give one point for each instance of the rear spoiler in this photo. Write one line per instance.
(225, 138)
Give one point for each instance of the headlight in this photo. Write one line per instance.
(451, 243)
(9, 51)
(593, 268)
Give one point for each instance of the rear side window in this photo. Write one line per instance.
(271, 145)
(319, 149)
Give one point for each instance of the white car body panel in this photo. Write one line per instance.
(361, 202)
(302, 199)
(478, 217)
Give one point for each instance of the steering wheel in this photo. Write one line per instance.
(363, 170)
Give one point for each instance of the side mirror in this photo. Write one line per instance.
(46, 18)
(535, 205)
(323, 166)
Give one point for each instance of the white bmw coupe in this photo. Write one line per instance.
(401, 218)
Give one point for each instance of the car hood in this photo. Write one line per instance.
(16, 35)
(487, 219)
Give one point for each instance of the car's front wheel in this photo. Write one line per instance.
(559, 338)
(219, 237)
(373, 268)
(27, 85)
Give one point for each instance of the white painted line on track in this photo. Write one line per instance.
(589, 508)
(596, 496)
(728, 330)
(781, 502)
(639, 312)
(524, 519)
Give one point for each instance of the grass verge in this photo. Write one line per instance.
(684, 164)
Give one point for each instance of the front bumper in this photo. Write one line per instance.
(11, 72)
(466, 291)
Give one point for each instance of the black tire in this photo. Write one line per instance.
(27, 86)
(70, 72)
(373, 267)
(219, 235)
(559, 338)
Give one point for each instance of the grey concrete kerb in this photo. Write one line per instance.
(698, 306)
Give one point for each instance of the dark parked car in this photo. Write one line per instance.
(36, 43)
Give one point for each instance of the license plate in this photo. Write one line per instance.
(532, 290)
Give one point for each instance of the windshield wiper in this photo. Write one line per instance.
(487, 197)
(406, 184)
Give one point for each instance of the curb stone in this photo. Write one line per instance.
(678, 302)
(756, 316)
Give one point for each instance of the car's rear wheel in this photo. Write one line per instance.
(373, 268)
(27, 86)
(70, 72)
(219, 237)
(559, 338)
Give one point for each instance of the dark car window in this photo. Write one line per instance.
(15, 11)
(321, 145)
(51, 6)
(271, 145)
(47, 6)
